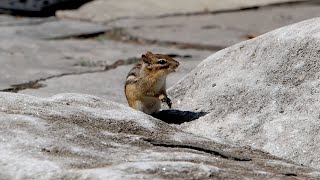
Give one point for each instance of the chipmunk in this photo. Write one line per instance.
(145, 86)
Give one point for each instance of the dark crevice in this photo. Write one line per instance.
(205, 12)
(80, 36)
(183, 146)
(179, 56)
(290, 174)
(36, 83)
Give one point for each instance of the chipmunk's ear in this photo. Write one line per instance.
(149, 54)
(146, 59)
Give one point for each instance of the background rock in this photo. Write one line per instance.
(110, 84)
(74, 60)
(106, 10)
(263, 93)
(46, 28)
(6, 20)
(219, 30)
(74, 136)
(59, 30)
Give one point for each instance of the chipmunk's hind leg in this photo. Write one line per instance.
(138, 105)
(151, 105)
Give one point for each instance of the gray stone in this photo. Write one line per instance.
(61, 65)
(263, 93)
(31, 5)
(25, 60)
(76, 136)
(6, 20)
(49, 28)
(218, 30)
(61, 29)
(110, 84)
(104, 10)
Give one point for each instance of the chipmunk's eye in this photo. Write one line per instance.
(162, 61)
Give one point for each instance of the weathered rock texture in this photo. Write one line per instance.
(46, 28)
(38, 58)
(106, 10)
(218, 30)
(74, 136)
(264, 93)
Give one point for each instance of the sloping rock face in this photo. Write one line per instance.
(74, 136)
(264, 93)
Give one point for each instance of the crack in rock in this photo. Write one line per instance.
(183, 146)
(297, 2)
(121, 35)
(36, 83)
(290, 174)
(84, 35)
(38, 8)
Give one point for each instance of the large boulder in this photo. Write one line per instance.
(264, 93)
(74, 136)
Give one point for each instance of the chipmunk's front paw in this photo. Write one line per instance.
(165, 99)
(168, 101)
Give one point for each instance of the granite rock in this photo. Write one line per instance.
(77, 136)
(107, 10)
(263, 93)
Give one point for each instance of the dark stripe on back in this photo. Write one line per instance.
(135, 70)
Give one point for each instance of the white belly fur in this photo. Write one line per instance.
(151, 104)
(160, 83)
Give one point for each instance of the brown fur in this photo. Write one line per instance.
(145, 86)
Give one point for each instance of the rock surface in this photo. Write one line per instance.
(218, 30)
(47, 28)
(35, 6)
(263, 93)
(106, 10)
(110, 84)
(74, 136)
(43, 68)
(60, 29)
(40, 57)
(26, 60)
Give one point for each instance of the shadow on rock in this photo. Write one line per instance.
(173, 116)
